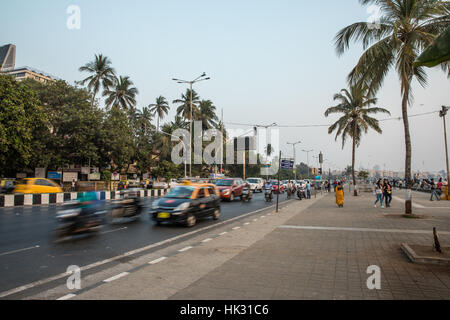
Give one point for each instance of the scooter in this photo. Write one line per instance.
(268, 195)
(78, 218)
(246, 194)
(301, 193)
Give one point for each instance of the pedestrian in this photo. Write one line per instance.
(308, 190)
(378, 192)
(433, 191)
(387, 192)
(340, 195)
(73, 184)
(439, 188)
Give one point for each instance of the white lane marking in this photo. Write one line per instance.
(157, 260)
(255, 219)
(414, 204)
(246, 224)
(235, 228)
(67, 296)
(361, 229)
(99, 263)
(221, 234)
(120, 275)
(263, 216)
(185, 249)
(18, 250)
(207, 240)
(119, 229)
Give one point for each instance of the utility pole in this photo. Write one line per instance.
(293, 148)
(198, 79)
(307, 158)
(442, 114)
(279, 170)
(221, 145)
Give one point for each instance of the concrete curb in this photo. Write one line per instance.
(16, 200)
(423, 259)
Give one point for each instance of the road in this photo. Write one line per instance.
(28, 252)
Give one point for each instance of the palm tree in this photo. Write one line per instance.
(404, 30)
(355, 107)
(206, 113)
(160, 108)
(185, 108)
(102, 74)
(122, 95)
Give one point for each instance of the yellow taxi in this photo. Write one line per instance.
(186, 203)
(36, 185)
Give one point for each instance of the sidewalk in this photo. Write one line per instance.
(306, 251)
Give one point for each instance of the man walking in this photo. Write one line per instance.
(433, 191)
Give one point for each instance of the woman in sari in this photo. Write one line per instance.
(339, 195)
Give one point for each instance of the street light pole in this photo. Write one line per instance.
(442, 114)
(198, 79)
(307, 158)
(293, 148)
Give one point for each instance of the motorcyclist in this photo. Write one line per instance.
(269, 188)
(88, 203)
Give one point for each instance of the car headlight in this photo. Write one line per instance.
(226, 192)
(181, 208)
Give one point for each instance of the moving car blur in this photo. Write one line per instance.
(36, 185)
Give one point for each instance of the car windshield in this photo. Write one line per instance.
(180, 192)
(224, 183)
(252, 180)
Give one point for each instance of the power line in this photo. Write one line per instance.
(327, 125)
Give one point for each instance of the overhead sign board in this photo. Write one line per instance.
(287, 164)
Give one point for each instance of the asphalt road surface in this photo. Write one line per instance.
(29, 253)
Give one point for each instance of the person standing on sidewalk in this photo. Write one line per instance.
(73, 184)
(308, 190)
(378, 192)
(387, 192)
(340, 195)
(433, 191)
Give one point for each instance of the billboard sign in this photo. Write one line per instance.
(287, 164)
(54, 175)
(69, 176)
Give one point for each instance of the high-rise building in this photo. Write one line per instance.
(8, 62)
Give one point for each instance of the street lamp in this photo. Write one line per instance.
(293, 148)
(442, 114)
(265, 127)
(307, 158)
(198, 79)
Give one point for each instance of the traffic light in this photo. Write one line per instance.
(143, 127)
(320, 171)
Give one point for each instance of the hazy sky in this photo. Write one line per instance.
(268, 60)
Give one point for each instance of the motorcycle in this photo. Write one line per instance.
(79, 217)
(268, 194)
(246, 194)
(301, 194)
(128, 206)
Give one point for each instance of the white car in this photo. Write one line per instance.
(160, 185)
(256, 184)
(173, 183)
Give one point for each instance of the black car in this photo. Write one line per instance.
(185, 204)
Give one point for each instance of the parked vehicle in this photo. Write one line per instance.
(173, 183)
(36, 185)
(187, 203)
(128, 206)
(230, 188)
(256, 184)
(160, 185)
(82, 216)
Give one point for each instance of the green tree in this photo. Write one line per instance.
(206, 113)
(122, 94)
(405, 29)
(354, 105)
(185, 108)
(20, 117)
(101, 75)
(159, 108)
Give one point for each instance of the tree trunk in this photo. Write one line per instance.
(355, 192)
(408, 193)
(157, 128)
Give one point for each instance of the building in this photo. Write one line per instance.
(7, 66)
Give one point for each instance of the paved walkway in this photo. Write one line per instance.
(310, 250)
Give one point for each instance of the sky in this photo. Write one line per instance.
(269, 61)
